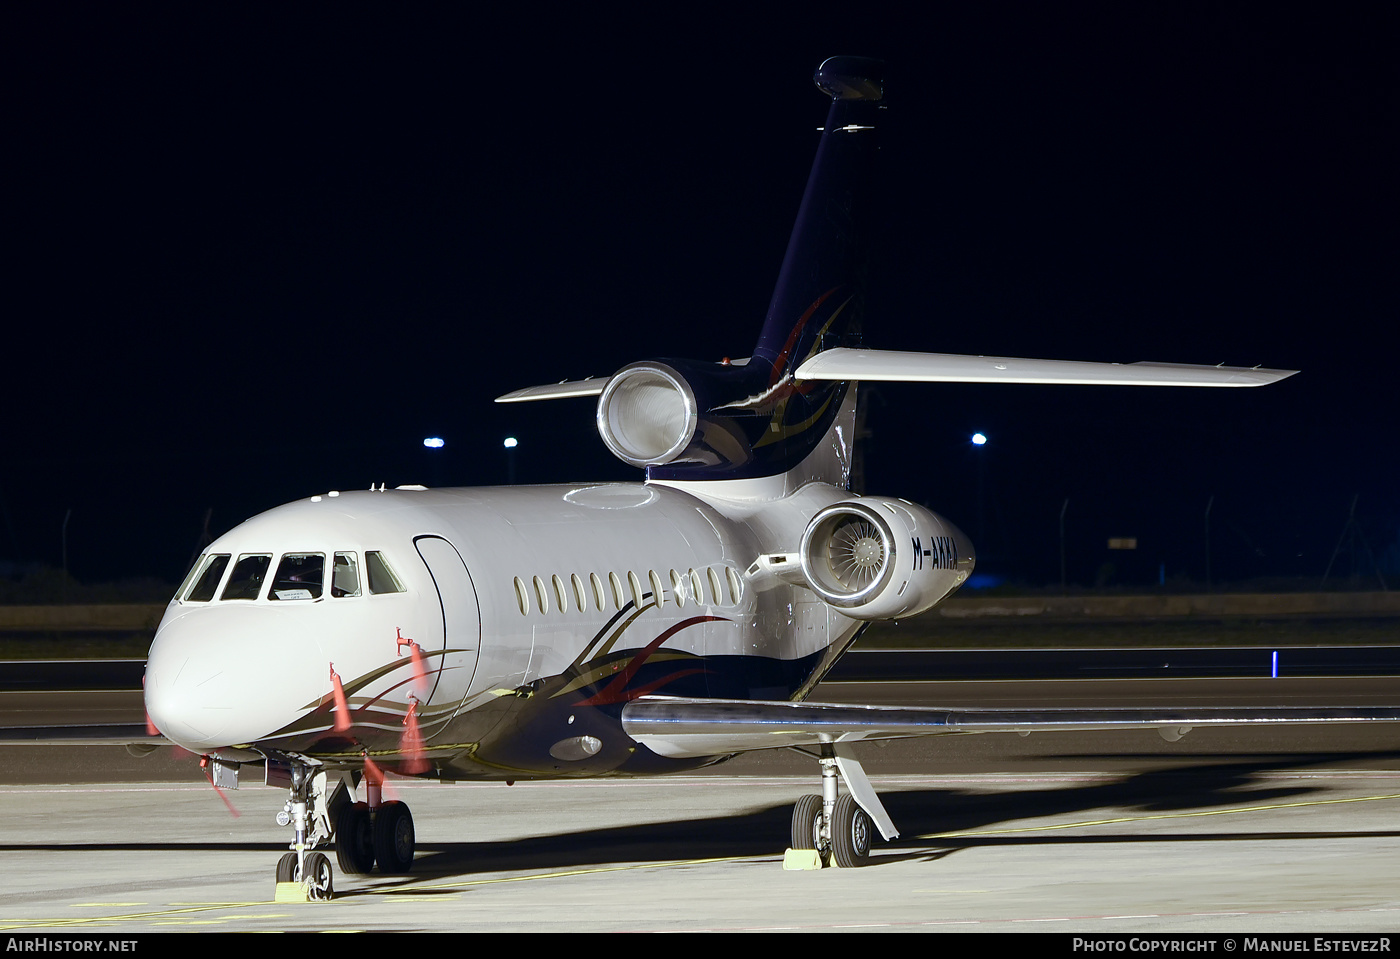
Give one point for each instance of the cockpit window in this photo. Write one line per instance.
(247, 578)
(299, 576)
(208, 579)
(381, 577)
(345, 577)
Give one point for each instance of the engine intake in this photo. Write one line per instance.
(879, 558)
(647, 414)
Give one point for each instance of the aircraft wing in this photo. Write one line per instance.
(557, 391)
(844, 363)
(681, 728)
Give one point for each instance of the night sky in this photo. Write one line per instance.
(256, 255)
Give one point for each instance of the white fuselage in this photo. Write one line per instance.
(538, 612)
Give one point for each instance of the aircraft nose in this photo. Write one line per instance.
(214, 677)
(187, 691)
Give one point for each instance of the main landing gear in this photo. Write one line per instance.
(366, 833)
(836, 825)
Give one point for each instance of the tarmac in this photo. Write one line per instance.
(1249, 830)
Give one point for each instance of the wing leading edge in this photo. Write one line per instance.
(713, 727)
(844, 363)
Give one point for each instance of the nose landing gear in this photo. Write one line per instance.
(365, 833)
(303, 874)
(313, 879)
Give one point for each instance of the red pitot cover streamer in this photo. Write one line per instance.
(150, 726)
(209, 778)
(374, 776)
(420, 669)
(342, 708)
(411, 743)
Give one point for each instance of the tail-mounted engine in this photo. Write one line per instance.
(647, 414)
(708, 420)
(881, 558)
(682, 419)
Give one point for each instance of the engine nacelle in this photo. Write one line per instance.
(882, 558)
(647, 414)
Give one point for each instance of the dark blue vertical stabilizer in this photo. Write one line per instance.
(819, 299)
(755, 420)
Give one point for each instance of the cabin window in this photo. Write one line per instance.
(299, 576)
(247, 578)
(677, 590)
(577, 582)
(561, 601)
(208, 581)
(714, 586)
(381, 577)
(597, 583)
(616, 583)
(736, 588)
(658, 595)
(541, 596)
(345, 577)
(635, 585)
(522, 596)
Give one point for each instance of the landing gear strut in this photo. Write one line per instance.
(306, 813)
(837, 825)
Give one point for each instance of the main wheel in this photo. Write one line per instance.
(287, 868)
(807, 823)
(354, 840)
(318, 876)
(393, 837)
(850, 833)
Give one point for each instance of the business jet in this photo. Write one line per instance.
(614, 629)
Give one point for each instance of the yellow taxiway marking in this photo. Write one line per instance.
(166, 917)
(1175, 815)
(154, 916)
(568, 873)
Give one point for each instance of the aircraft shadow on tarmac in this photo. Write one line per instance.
(917, 813)
(924, 817)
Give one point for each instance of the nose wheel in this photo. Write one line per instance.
(317, 878)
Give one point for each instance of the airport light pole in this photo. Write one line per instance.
(979, 441)
(1064, 589)
(435, 462)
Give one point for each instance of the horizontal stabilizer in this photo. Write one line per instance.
(713, 727)
(844, 364)
(557, 391)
